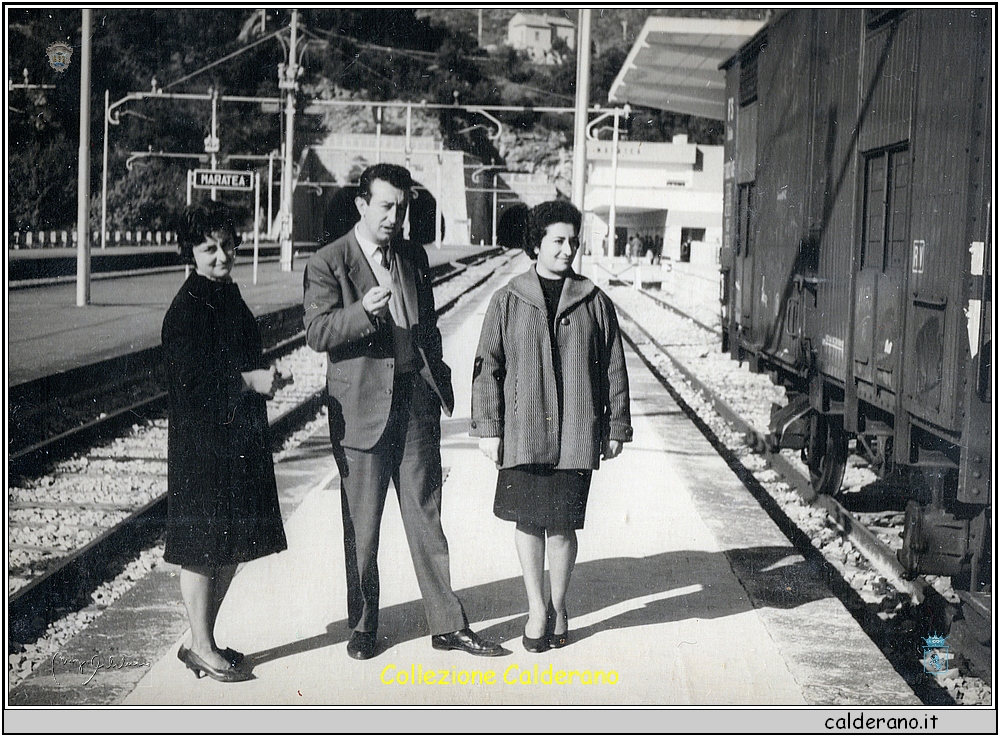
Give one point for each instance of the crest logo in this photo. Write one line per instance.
(59, 56)
(936, 654)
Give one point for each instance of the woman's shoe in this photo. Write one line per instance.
(535, 644)
(557, 641)
(200, 668)
(235, 657)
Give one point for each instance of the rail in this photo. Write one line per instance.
(877, 552)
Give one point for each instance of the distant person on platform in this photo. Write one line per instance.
(222, 504)
(550, 398)
(369, 307)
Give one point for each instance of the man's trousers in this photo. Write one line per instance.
(409, 453)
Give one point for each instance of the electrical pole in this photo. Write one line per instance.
(580, 117)
(582, 102)
(104, 175)
(212, 142)
(612, 206)
(288, 84)
(83, 178)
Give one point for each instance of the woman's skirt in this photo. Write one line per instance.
(543, 496)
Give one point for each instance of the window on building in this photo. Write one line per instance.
(687, 236)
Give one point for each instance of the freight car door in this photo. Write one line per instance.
(882, 275)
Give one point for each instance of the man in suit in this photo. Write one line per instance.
(369, 306)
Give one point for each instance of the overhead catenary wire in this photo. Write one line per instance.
(411, 53)
(423, 55)
(426, 56)
(225, 58)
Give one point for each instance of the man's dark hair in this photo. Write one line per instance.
(396, 175)
(199, 221)
(544, 215)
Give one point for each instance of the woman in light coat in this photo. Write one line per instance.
(549, 401)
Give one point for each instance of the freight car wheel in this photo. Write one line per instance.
(828, 458)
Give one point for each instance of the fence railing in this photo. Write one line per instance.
(66, 238)
(24, 239)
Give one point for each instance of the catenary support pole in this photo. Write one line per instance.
(256, 222)
(83, 178)
(291, 71)
(612, 205)
(270, 196)
(213, 146)
(580, 116)
(104, 176)
(496, 172)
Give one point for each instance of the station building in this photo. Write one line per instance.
(674, 190)
(667, 195)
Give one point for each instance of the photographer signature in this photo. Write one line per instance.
(96, 664)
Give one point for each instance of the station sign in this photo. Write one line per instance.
(222, 179)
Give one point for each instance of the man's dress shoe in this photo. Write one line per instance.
(362, 645)
(467, 641)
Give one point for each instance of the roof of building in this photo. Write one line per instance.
(533, 19)
(674, 64)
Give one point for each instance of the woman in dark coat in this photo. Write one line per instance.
(549, 400)
(223, 502)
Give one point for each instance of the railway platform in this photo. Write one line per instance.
(48, 334)
(685, 593)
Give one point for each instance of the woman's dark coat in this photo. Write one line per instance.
(223, 501)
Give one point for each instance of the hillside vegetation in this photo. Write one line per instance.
(376, 54)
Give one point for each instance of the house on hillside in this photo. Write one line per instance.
(536, 33)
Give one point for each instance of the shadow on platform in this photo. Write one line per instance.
(613, 593)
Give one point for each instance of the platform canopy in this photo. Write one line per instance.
(674, 64)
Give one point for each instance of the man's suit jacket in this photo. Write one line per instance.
(359, 349)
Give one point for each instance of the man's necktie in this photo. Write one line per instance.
(383, 256)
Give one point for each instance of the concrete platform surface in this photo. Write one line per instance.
(684, 593)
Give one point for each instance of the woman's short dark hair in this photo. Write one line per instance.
(199, 221)
(544, 215)
(512, 226)
(396, 175)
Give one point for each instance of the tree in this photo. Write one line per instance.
(130, 48)
(43, 125)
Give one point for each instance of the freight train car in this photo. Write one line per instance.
(856, 260)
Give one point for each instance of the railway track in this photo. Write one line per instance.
(875, 549)
(88, 498)
(856, 548)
